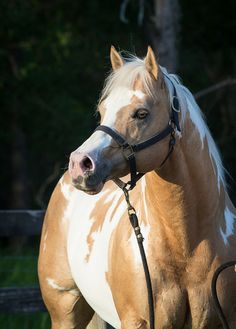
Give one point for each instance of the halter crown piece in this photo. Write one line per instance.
(129, 150)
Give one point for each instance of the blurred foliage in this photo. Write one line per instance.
(54, 57)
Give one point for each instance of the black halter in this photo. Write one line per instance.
(129, 150)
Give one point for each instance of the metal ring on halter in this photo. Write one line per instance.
(173, 106)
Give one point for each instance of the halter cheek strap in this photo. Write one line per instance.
(129, 150)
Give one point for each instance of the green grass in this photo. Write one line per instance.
(20, 270)
(25, 321)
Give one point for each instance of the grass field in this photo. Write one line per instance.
(20, 270)
(25, 321)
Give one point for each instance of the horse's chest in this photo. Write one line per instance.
(88, 252)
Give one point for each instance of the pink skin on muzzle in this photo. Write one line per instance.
(80, 164)
(88, 167)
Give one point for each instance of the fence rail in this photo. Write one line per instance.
(21, 222)
(21, 299)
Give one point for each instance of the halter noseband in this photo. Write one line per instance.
(129, 150)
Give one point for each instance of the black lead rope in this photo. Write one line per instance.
(135, 224)
(214, 292)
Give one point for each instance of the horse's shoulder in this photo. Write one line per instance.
(59, 199)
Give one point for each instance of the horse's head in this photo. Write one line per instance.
(135, 104)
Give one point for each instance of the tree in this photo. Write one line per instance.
(162, 29)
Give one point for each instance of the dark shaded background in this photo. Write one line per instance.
(53, 61)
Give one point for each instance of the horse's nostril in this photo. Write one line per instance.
(87, 164)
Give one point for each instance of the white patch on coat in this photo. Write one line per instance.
(229, 225)
(65, 189)
(44, 241)
(118, 98)
(90, 274)
(95, 144)
(143, 188)
(52, 283)
(139, 94)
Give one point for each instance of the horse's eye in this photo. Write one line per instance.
(141, 114)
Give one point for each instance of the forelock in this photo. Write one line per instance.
(134, 69)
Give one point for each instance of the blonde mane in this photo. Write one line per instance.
(133, 69)
(126, 76)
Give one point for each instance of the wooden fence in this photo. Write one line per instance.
(21, 223)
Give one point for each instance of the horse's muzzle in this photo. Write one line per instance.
(85, 174)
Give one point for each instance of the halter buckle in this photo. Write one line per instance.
(172, 124)
(128, 151)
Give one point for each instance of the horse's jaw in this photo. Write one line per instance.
(91, 190)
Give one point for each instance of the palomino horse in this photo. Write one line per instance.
(89, 261)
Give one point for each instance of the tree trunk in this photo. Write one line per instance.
(162, 28)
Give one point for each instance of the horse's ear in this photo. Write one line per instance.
(116, 59)
(151, 63)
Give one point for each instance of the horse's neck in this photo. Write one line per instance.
(185, 194)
